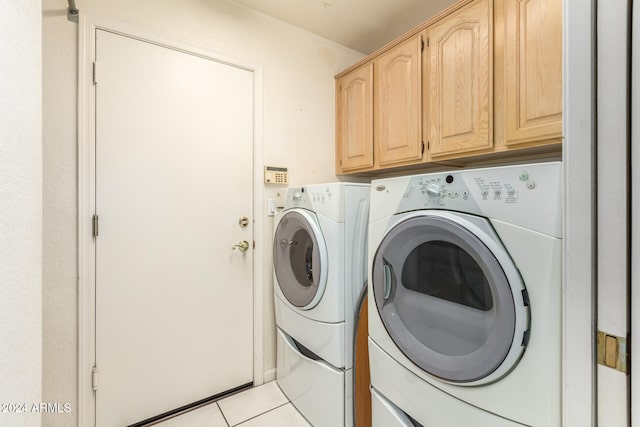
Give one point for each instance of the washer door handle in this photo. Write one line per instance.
(285, 243)
(387, 273)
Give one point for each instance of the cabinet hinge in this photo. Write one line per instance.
(95, 73)
(613, 352)
(94, 226)
(94, 378)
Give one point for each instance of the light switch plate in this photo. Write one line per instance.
(271, 207)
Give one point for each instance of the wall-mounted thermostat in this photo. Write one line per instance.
(275, 175)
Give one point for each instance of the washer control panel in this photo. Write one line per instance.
(303, 196)
(326, 199)
(438, 188)
(465, 189)
(321, 195)
(298, 197)
(527, 194)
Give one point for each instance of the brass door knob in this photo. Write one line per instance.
(242, 246)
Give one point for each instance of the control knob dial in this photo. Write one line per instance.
(433, 191)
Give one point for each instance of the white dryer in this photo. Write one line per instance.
(467, 282)
(320, 267)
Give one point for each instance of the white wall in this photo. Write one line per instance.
(60, 274)
(298, 132)
(20, 209)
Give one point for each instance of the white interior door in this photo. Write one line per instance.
(174, 304)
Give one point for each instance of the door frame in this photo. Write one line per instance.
(635, 208)
(89, 23)
(579, 235)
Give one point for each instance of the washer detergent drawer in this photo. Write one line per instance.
(315, 388)
(386, 414)
(420, 400)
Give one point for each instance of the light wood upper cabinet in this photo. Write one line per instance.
(354, 120)
(533, 70)
(482, 80)
(460, 92)
(398, 104)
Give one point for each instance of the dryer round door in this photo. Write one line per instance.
(450, 297)
(300, 258)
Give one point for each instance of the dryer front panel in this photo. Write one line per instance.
(300, 258)
(450, 298)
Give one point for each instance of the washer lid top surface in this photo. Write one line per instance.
(450, 297)
(300, 258)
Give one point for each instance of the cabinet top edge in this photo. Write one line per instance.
(416, 30)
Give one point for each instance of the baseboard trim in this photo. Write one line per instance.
(269, 375)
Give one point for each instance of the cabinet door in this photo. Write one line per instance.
(460, 81)
(533, 73)
(398, 105)
(354, 121)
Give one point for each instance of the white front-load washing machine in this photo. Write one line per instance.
(320, 267)
(466, 276)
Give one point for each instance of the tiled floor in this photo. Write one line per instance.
(263, 406)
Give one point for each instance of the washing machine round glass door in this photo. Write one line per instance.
(299, 258)
(450, 297)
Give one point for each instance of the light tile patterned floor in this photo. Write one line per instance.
(264, 406)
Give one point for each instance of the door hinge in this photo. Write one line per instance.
(95, 226)
(95, 73)
(72, 12)
(613, 352)
(94, 378)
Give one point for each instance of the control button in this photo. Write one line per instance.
(455, 194)
(511, 192)
(497, 193)
(531, 185)
(524, 176)
(485, 193)
(449, 179)
(296, 197)
(433, 191)
(465, 194)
